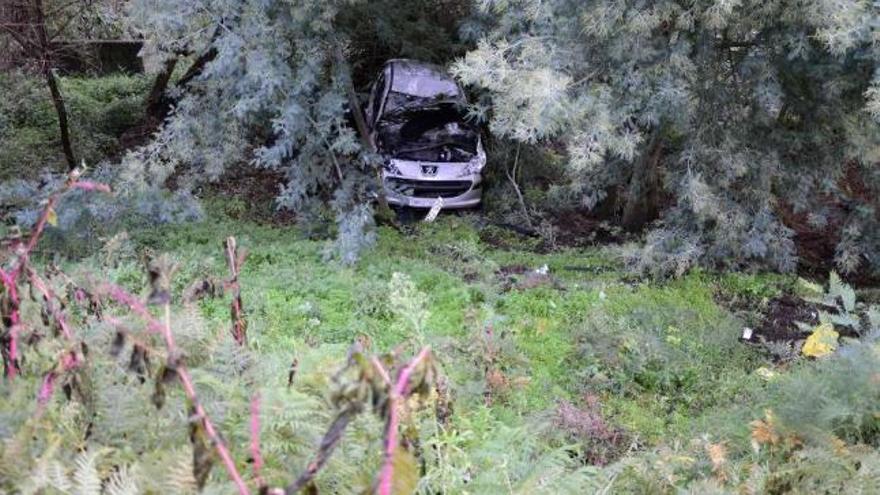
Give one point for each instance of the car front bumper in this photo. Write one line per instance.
(408, 184)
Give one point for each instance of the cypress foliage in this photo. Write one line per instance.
(738, 111)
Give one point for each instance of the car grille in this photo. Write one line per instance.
(429, 188)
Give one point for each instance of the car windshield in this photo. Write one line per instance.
(403, 102)
(424, 82)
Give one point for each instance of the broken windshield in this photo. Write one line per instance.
(397, 102)
(423, 82)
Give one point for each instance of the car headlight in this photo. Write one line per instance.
(475, 166)
(390, 167)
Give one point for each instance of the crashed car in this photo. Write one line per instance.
(415, 116)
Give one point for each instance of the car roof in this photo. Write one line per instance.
(421, 79)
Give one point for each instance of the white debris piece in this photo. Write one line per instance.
(435, 210)
(747, 333)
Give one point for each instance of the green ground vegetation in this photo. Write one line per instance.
(100, 110)
(564, 374)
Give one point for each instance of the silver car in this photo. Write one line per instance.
(415, 117)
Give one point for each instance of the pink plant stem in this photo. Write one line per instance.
(10, 280)
(47, 388)
(134, 304)
(164, 328)
(222, 451)
(381, 370)
(9, 283)
(69, 360)
(37, 231)
(49, 296)
(255, 438)
(87, 185)
(391, 442)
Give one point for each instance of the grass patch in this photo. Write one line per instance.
(645, 364)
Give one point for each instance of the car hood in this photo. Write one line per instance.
(434, 132)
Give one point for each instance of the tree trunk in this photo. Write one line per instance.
(366, 140)
(157, 107)
(197, 67)
(60, 109)
(52, 82)
(642, 194)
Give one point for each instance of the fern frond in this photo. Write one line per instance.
(123, 482)
(179, 477)
(57, 478)
(86, 479)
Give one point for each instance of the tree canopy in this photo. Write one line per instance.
(717, 119)
(735, 110)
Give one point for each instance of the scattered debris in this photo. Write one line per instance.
(822, 342)
(520, 277)
(435, 210)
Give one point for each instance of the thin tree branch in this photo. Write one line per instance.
(511, 176)
(25, 44)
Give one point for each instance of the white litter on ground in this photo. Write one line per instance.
(435, 210)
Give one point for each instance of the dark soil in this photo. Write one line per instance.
(779, 323)
(816, 246)
(579, 228)
(255, 189)
(780, 320)
(508, 270)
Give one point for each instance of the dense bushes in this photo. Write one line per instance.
(100, 111)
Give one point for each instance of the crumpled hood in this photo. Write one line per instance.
(434, 132)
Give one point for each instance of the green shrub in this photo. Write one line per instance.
(99, 111)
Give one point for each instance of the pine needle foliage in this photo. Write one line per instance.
(737, 111)
(276, 93)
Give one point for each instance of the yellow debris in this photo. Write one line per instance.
(821, 342)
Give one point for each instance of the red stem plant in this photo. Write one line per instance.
(10, 278)
(235, 259)
(412, 378)
(396, 397)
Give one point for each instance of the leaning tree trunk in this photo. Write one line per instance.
(366, 140)
(60, 109)
(52, 82)
(642, 193)
(156, 102)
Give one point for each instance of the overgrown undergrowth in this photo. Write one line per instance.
(558, 374)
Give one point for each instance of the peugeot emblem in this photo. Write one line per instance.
(429, 169)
